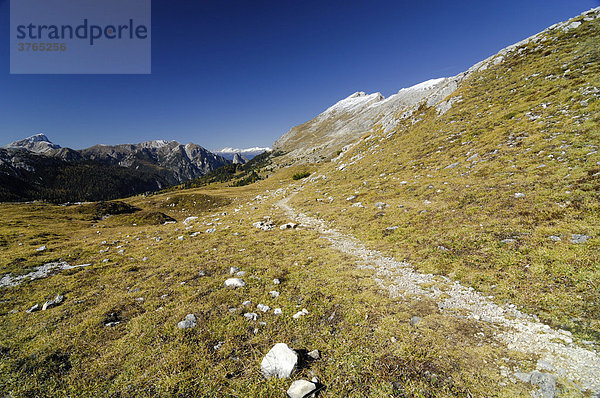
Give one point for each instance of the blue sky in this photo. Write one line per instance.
(241, 73)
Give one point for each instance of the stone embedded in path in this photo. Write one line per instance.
(301, 389)
(189, 321)
(280, 362)
(53, 303)
(235, 282)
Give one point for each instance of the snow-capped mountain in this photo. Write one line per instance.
(248, 153)
(38, 143)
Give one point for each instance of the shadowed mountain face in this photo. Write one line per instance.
(35, 168)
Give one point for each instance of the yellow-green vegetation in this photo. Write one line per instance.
(367, 344)
(452, 183)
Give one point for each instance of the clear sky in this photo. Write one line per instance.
(241, 73)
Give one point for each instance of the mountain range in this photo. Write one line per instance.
(36, 168)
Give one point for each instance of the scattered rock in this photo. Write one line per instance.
(299, 314)
(301, 389)
(289, 225)
(274, 293)
(233, 270)
(53, 303)
(414, 320)
(189, 321)
(277, 311)
(211, 230)
(41, 249)
(35, 308)
(266, 225)
(240, 273)
(276, 281)
(251, 316)
(577, 238)
(381, 205)
(314, 354)
(351, 197)
(189, 220)
(263, 307)
(247, 303)
(554, 238)
(235, 282)
(519, 195)
(280, 361)
(508, 240)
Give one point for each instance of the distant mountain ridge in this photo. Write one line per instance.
(34, 162)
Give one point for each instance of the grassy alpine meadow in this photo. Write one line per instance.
(116, 331)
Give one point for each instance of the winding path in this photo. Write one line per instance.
(521, 332)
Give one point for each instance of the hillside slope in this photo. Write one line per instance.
(500, 191)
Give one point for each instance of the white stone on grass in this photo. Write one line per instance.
(299, 314)
(280, 362)
(235, 282)
(301, 389)
(189, 321)
(263, 307)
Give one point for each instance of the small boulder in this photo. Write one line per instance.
(263, 307)
(300, 314)
(280, 361)
(577, 238)
(314, 354)
(53, 303)
(189, 321)
(301, 389)
(35, 308)
(251, 316)
(234, 282)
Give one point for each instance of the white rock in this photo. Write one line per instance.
(233, 270)
(251, 316)
(277, 311)
(274, 293)
(301, 389)
(263, 307)
(280, 362)
(53, 303)
(519, 195)
(41, 249)
(189, 220)
(289, 225)
(276, 281)
(189, 321)
(235, 282)
(299, 314)
(314, 354)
